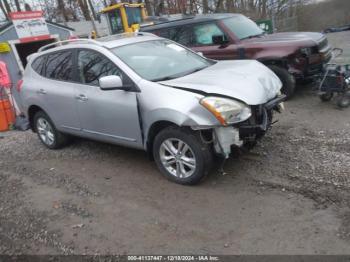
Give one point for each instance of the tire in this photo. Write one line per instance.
(249, 145)
(197, 154)
(326, 97)
(305, 82)
(48, 135)
(288, 80)
(343, 101)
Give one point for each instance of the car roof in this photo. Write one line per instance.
(108, 42)
(113, 41)
(190, 20)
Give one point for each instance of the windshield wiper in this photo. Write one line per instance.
(196, 70)
(165, 78)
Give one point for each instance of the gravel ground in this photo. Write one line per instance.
(290, 195)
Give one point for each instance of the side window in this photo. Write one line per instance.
(93, 65)
(38, 64)
(59, 66)
(203, 33)
(115, 21)
(162, 33)
(181, 34)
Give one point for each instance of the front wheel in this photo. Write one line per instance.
(181, 155)
(288, 80)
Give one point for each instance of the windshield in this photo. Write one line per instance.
(160, 59)
(134, 15)
(243, 27)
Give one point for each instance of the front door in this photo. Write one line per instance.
(203, 42)
(106, 115)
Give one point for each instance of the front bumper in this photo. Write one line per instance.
(248, 131)
(261, 119)
(313, 67)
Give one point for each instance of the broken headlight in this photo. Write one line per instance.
(306, 51)
(226, 111)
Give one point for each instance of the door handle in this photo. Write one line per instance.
(41, 91)
(81, 97)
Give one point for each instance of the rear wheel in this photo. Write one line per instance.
(181, 155)
(326, 97)
(288, 80)
(47, 132)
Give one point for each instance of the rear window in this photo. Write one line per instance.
(59, 66)
(38, 64)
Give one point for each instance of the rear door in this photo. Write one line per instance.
(106, 115)
(57, 88)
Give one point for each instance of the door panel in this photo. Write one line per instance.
(108, 115)
(57, 88)
(62, 105)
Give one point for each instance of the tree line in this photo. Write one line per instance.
(75, 10)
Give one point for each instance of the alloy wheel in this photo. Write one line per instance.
(45, 131)
(177, 158)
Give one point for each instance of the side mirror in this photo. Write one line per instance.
(112, 82)
(219, 39)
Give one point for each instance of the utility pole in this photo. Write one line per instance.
(18, 6)
(3, 10)
(92, 17)
(273, 15)
(7, 6)
(92, 9)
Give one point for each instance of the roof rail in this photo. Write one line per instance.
(169, 21)
(123, 35)
(83, 40)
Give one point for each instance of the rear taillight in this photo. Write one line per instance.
(19, 85)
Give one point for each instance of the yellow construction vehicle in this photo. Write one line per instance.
(124, 17)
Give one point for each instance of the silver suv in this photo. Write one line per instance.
(146, 92)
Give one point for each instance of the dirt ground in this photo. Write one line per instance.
(290, 195)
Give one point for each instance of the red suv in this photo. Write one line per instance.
(292, 56)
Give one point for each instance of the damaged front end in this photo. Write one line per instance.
(246, 133)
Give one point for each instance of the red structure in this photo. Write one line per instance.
(7, 111)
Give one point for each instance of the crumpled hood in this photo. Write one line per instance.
(245, 80)
(290, 37)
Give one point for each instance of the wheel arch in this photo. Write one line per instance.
(32, 110)
(274, 61)
(154, 129)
